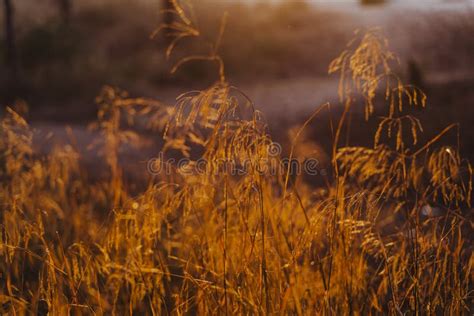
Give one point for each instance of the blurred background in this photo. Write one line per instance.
(57, 54)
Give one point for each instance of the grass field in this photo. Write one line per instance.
(225, 220)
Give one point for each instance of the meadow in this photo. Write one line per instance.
(382, 228)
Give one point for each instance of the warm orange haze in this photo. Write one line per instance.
(182, 157)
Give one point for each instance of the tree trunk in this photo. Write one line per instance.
(168, 8)
(168, 18)
(11, 54)
(65, 8)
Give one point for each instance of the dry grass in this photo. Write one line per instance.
(256, 243)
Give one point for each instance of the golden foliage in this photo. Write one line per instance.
(215, 243)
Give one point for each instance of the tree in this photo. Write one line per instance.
(168, 17)
(11, 53)
(65, 8)
(168, 8)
